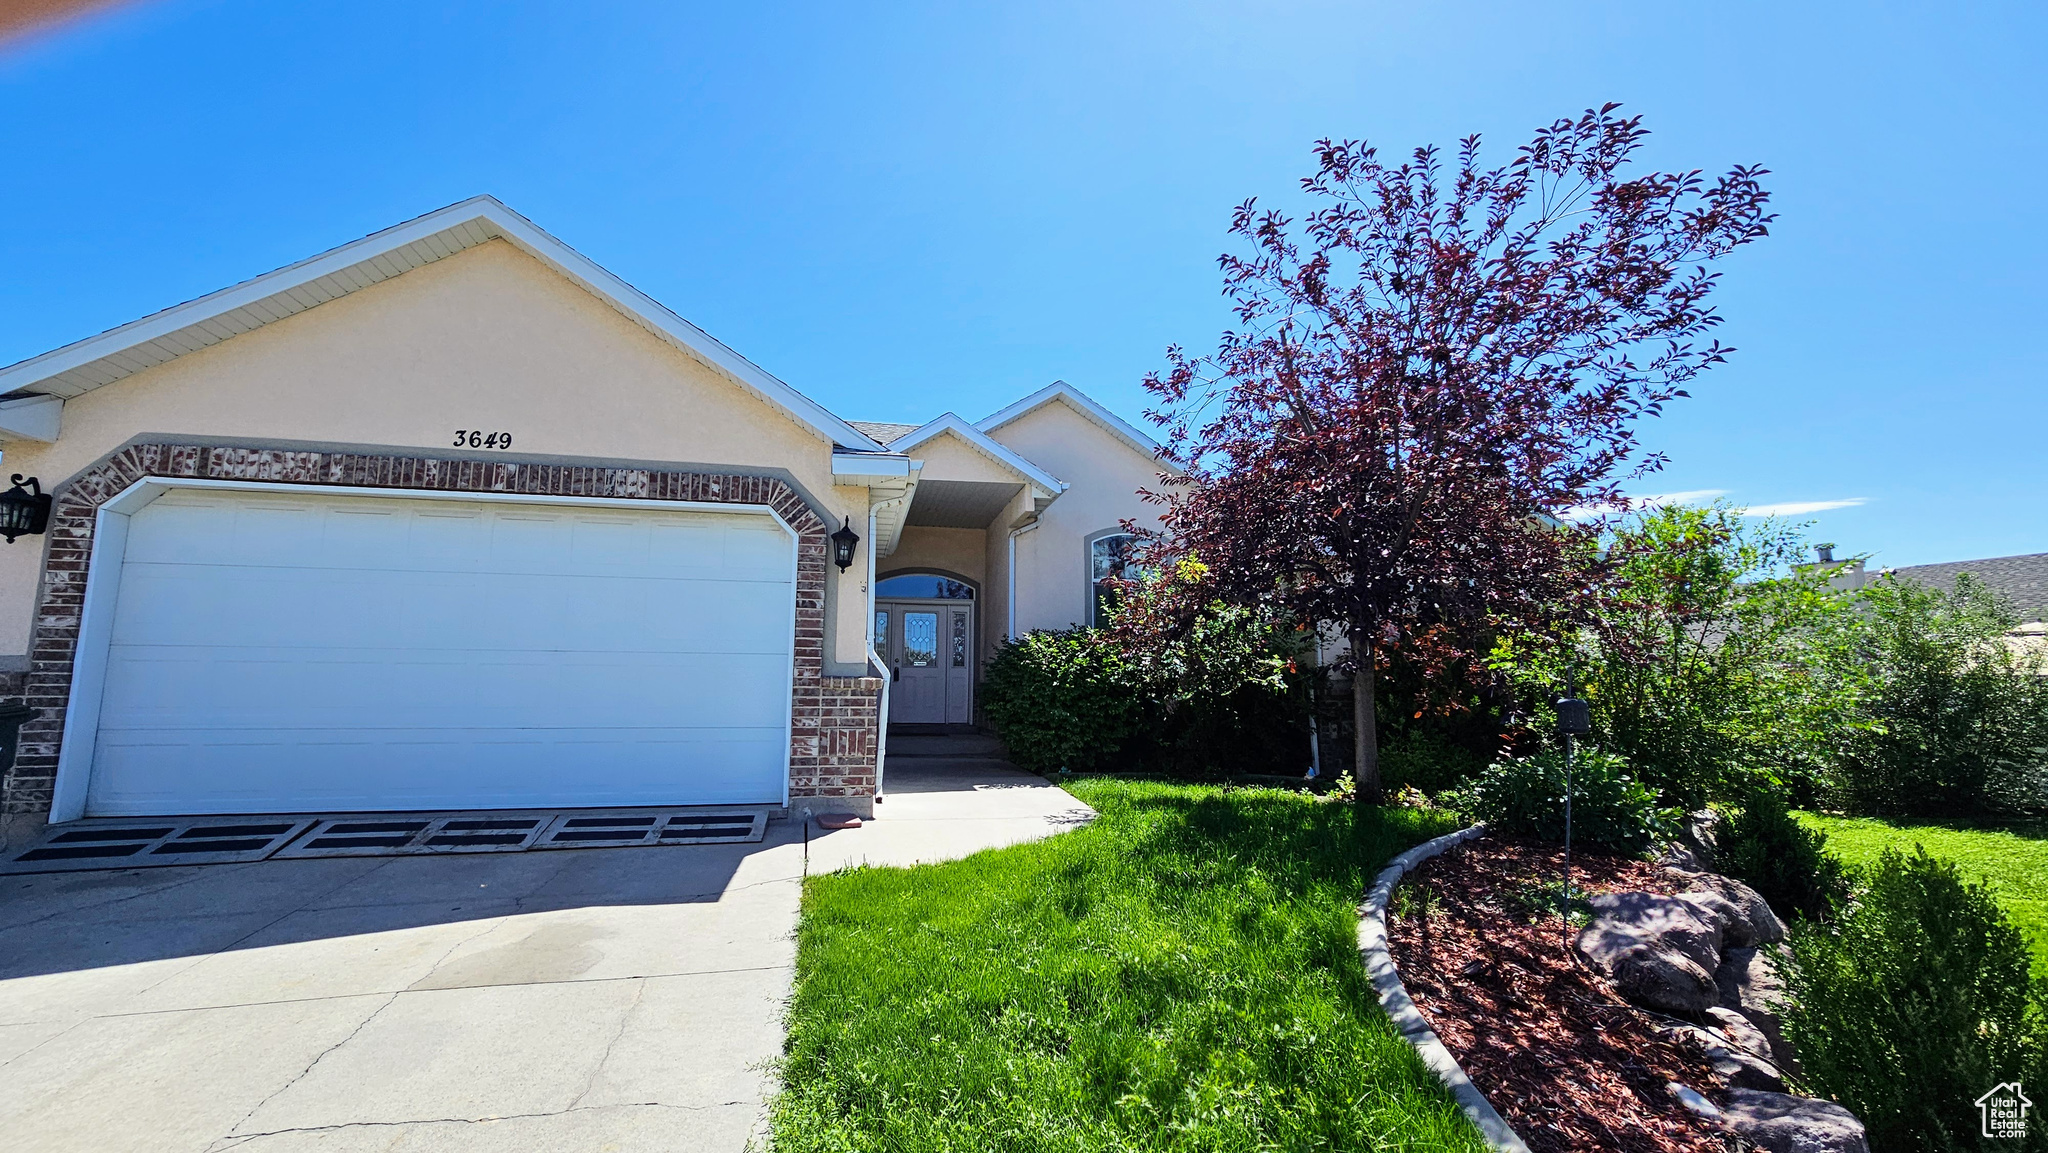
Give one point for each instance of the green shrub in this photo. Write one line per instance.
(1426, 760)
(1765, 847)
(1913, 1003)
(1710, 653)
(1525, 795)
(1954, 719)
(1062, 700)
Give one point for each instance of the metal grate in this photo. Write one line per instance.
(625, 828)
(140, 844)
(428, 833)
(116, 844)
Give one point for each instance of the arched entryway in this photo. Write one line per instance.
(925, 632)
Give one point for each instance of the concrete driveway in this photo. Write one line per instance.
(598, 999)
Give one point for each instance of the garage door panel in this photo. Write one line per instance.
(288, 654)
(290, 608)
(410, 769)
(196, 689)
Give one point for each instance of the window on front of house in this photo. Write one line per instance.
(1109, 558)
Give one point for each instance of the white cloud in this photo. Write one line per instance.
(1800, 507)
(1694, 496)
(1637, 503)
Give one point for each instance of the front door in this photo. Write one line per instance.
(929, 647)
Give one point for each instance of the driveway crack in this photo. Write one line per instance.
(389, 1000)
(241, 1139)
(597, 1070)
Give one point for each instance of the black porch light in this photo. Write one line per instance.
(842, 544)
(24, 511)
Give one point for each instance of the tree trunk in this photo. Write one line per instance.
(1365, 737)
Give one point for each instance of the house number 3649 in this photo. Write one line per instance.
(477, 438)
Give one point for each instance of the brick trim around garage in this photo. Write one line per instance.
(833, 727)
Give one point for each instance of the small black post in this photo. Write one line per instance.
(1574, 717)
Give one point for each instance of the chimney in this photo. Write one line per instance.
(1826, 552)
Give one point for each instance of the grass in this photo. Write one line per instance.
(2014, 861)
(1181, 975)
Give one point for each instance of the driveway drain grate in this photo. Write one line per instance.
(614, 830)
(127, 844)
(140, 844)
(430, 833)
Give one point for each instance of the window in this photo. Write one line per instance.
(1108, 559)
(924, 586)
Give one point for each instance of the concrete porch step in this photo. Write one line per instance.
(975, 745)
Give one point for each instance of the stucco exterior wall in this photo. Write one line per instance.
(1104, 475)
(946, 457)
(486, 339)
(959, 551)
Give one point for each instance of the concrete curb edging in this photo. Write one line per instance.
(1386, 980)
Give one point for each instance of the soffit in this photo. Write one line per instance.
(960, 503)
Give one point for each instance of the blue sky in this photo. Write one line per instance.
(906, 208)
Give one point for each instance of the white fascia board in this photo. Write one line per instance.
(31, 418)
(1085, 405)
(871, 469)
(1050, 485)
(441, 233)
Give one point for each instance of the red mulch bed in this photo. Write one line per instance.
(1569, 1063)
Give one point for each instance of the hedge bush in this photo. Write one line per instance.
(1062, 700)
(1915, 1001)
(1765, 847)
(1525, 796)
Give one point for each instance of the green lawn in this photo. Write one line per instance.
(1181, 975)
(2013, 861)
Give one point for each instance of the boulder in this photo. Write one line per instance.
(1677, 858)
(1698, 832)
(1660, 952)
(1744, 1071)
(1747, 982)
(1741, 1032)
(1786, 1124)
(1748, 919)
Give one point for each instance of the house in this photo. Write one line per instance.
(452, 518)
(2021, 581)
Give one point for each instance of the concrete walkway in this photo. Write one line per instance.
(614, 999)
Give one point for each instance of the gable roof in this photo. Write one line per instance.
(980, 442)
(2021, 579)
(884, 431)
(87, 364)
(1060, 390)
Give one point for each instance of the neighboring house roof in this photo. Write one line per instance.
(1046, 482)
(882, 431)
(2023, 580)
(1074, 398)
(100, 360)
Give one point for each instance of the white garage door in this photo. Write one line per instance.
(286, 653)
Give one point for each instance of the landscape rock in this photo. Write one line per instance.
(1660, 951)
(1698, 833)
(1679, 859)
(1741, 1032)
(1752, 923)
(1786, 1124)
(1748, 982)
(1745, 1071)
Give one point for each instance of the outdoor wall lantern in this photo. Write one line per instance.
(24, 511)
(842, 544)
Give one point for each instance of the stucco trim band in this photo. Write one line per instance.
(834, 721)
(1386, 980)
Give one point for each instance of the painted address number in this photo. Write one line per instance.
(477, 438)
